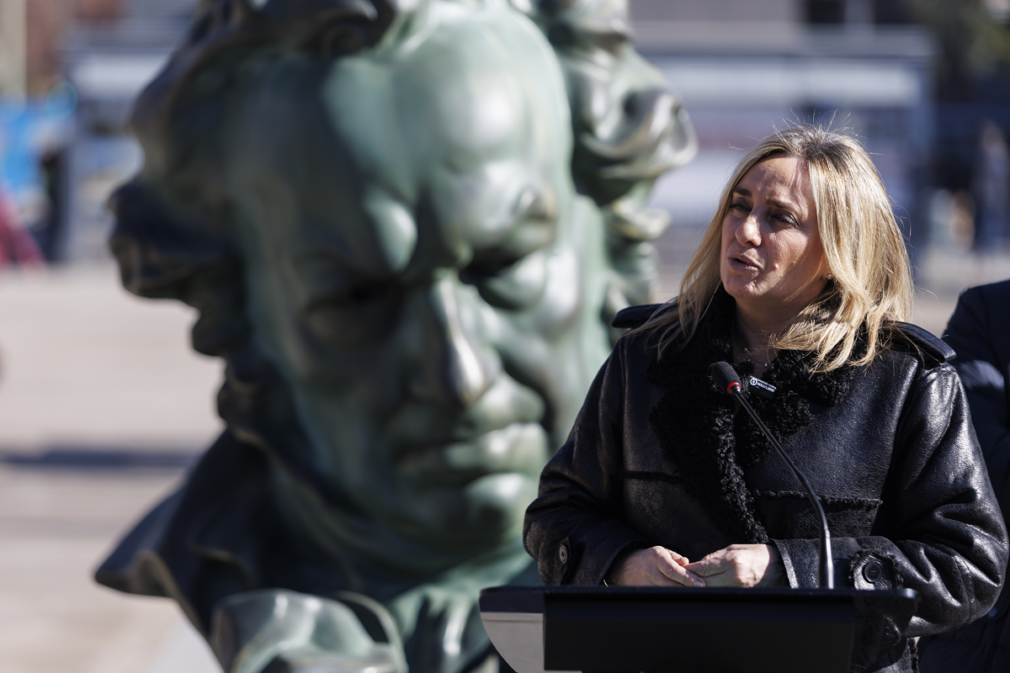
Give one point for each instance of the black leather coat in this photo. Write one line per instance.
(658, 456)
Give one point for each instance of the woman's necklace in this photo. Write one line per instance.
(748, 354)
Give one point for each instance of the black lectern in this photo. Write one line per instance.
(635, 629)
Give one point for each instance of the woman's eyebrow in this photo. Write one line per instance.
(785, 205)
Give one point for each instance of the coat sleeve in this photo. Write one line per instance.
(941, 530)
(574, 528)
(979, 331)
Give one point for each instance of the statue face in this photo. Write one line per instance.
(420, 269)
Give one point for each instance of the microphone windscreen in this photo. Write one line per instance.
(724, 375)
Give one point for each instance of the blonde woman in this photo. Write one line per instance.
(802, 281)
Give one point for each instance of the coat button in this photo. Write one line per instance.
(563, 554)
(872, 571)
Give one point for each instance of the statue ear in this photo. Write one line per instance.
(164, 253)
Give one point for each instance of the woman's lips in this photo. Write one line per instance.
(742, 264)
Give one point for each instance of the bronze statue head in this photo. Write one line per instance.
(405, 226)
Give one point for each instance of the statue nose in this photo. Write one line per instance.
(458, 367)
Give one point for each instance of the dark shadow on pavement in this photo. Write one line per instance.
(97, 459)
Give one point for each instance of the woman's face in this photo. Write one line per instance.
(772, 261)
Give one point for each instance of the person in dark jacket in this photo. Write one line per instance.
(802, 280)
(979, 331)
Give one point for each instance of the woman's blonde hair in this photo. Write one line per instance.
(862, 243)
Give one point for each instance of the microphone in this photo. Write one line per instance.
(725, 377)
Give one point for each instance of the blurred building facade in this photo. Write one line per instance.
(743, 68)
(56, 159)
(108, 63)
(747, 67)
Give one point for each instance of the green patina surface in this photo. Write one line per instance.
(406, 227)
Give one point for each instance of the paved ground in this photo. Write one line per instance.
(101, 404)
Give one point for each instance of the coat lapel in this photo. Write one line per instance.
(699, 431)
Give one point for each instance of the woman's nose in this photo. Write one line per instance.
(749, 231)
(456, 366)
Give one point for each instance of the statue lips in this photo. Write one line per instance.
(501, 432)
(518, 448)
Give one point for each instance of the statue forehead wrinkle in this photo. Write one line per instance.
(486, 106)
(475, 142)
(359, 99)
(297, 169)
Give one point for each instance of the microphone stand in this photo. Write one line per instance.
(825, 565)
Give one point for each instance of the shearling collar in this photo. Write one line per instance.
(698, 429)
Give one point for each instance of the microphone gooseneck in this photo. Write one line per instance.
(726, 378)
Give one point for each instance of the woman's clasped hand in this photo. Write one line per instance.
(738, 565)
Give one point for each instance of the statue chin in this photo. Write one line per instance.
(471, 494)
(486, 512)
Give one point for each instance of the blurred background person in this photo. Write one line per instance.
(17, 247)
(979, 331)
(991, 187)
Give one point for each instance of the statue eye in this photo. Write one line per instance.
(365, 294)
(351, 298)
(484, 269)
(514, 285)
(570, 36)
(337, 33)
(352, 315)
